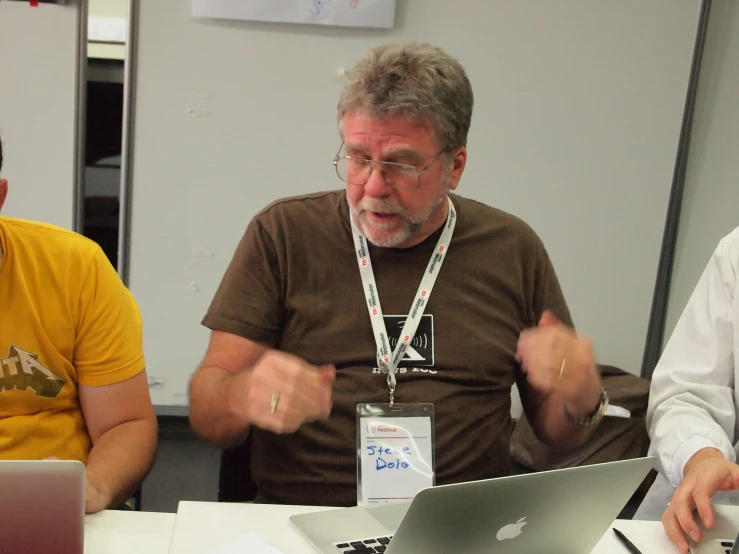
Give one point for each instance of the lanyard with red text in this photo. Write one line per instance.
(388, 360)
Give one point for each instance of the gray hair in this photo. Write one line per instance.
(417, 81)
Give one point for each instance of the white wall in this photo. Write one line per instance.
(38, 109)
(711, 200)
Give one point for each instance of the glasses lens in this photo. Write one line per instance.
(401, 176)
(356, 171)
(353, 171)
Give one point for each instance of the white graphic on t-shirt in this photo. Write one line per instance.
(413, 354)
(420, 349)
(22, 369)
(404, 370)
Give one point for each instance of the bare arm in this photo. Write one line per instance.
(225, 367)
(706, 472)
(232, 389)
(121, 422)
(560, 372)
(547, 417)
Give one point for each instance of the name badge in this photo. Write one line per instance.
(395, 454)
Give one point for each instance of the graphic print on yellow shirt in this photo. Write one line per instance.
(66, 320)
(25, 371)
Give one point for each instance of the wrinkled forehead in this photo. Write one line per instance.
(390, 135)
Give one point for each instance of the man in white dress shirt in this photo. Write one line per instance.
(693, 404)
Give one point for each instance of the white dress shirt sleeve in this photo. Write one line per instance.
(691, 400)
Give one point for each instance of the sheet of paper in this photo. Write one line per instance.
(250, 543)
(106, 29)
(617, 411)
(343, 13)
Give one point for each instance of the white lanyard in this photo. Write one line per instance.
(389, 360)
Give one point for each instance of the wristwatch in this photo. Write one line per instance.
(595, 416)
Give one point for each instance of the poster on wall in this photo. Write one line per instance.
(342, 13)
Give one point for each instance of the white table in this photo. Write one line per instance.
(120, 532)
(232, 520)
(200, 527)
(647, 536)
(204, 526)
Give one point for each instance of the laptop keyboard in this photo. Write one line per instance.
(364, 546)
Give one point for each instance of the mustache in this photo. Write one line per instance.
(380, 206)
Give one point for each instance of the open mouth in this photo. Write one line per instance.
(380, 216)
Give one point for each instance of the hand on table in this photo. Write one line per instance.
(95, 497)
(706, 473)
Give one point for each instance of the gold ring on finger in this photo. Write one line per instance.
(273, 402)
(562, 368)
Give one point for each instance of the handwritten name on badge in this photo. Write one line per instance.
(396, 463)
(395, 457)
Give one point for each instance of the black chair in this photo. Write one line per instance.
(137, 499)
(235, 483)
(133, 503)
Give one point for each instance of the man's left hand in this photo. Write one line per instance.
(96, 499)
(558, 360)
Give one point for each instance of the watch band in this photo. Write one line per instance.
(595, 416)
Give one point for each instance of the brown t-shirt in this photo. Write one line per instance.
(294, 283)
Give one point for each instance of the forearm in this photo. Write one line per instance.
(699, 457)
(121, 458)
(678, 430)
(212, 414)
(554, 428)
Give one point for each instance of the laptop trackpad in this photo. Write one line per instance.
(389, 515)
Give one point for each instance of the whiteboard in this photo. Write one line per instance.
(578, 107)
(711, 196)
(342, 13)
(39, 52)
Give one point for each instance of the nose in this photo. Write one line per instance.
(376, 186)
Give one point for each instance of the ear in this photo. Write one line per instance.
(458, 163)
(3, 191)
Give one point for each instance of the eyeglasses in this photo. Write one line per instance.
(357, 171)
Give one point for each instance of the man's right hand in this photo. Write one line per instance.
(705, 473)
(301, 392)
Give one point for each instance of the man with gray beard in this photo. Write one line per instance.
(321, 314)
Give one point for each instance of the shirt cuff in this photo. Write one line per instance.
(686, 451)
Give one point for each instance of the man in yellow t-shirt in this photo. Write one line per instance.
(72, 379)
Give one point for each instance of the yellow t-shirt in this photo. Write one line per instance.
(66, 319)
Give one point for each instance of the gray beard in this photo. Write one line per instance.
(411, 224)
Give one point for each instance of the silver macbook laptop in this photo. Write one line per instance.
(42, 507)
(563, 511)
(721, 539)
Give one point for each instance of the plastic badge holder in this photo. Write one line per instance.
(395, 451)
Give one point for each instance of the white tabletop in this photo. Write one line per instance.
(121, 532)
(232, 520)
(647, 536)
(201, 527)
(204, 526)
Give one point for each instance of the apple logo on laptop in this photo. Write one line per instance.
(511, 531)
